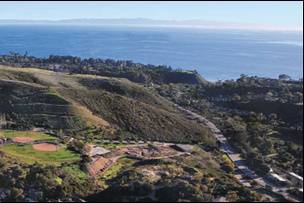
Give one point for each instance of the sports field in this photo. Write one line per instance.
(30, 135)
(27, 154)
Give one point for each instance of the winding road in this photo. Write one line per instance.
(243, 173)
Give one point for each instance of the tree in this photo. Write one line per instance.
(236, 97)
(2, 120)
(267, 147)
(228, 166)
(232, 196)
(76, 146)
(60, 133)
(16, 194)
(254, 183)
(284, 77)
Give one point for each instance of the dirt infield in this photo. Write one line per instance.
(23, 139)
(46, 147)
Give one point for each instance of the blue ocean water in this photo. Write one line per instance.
(216, 54)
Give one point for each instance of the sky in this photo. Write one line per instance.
(278, 13)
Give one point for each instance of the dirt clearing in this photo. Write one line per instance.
(23, 139)
(46, 147)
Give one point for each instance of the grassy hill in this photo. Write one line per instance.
(113, 107)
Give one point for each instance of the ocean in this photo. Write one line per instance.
(215, 54)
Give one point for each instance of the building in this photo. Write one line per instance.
(276, 179)
(38, 129)
(295, 179)
(2, 141)
(221, 199)
(183, 147)
(93, 150)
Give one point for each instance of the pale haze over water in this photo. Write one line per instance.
(216, 54)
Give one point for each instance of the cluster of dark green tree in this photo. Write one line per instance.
(135, 72)
(262, 117)
(19, 182)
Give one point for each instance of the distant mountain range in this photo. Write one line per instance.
(143, 22)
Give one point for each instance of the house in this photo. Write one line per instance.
(183, 147)
(277, 179)
(221, 199)
(295, 179)
(2, 141)
(4, 193)
(38, 129)
(93, 150)
(106, 141)
(246, 171)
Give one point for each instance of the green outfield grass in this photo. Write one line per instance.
(34, 135)
(26, 154)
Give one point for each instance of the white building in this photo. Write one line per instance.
(277, 179)
(295, 179)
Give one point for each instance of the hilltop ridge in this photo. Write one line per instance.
(135, 72)
(53, 100)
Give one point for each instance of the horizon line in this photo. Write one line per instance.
(195, 23)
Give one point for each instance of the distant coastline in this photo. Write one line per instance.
(215, 54)
(108, 67)
(142, 22)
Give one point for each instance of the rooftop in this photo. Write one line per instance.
(296, 176)
(276, 176)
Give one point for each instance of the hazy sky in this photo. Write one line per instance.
(287, 14)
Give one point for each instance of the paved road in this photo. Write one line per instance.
(243, 171)
(243, 174)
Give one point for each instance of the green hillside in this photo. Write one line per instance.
(113, 107)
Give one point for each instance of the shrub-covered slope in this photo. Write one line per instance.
(33, 97)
